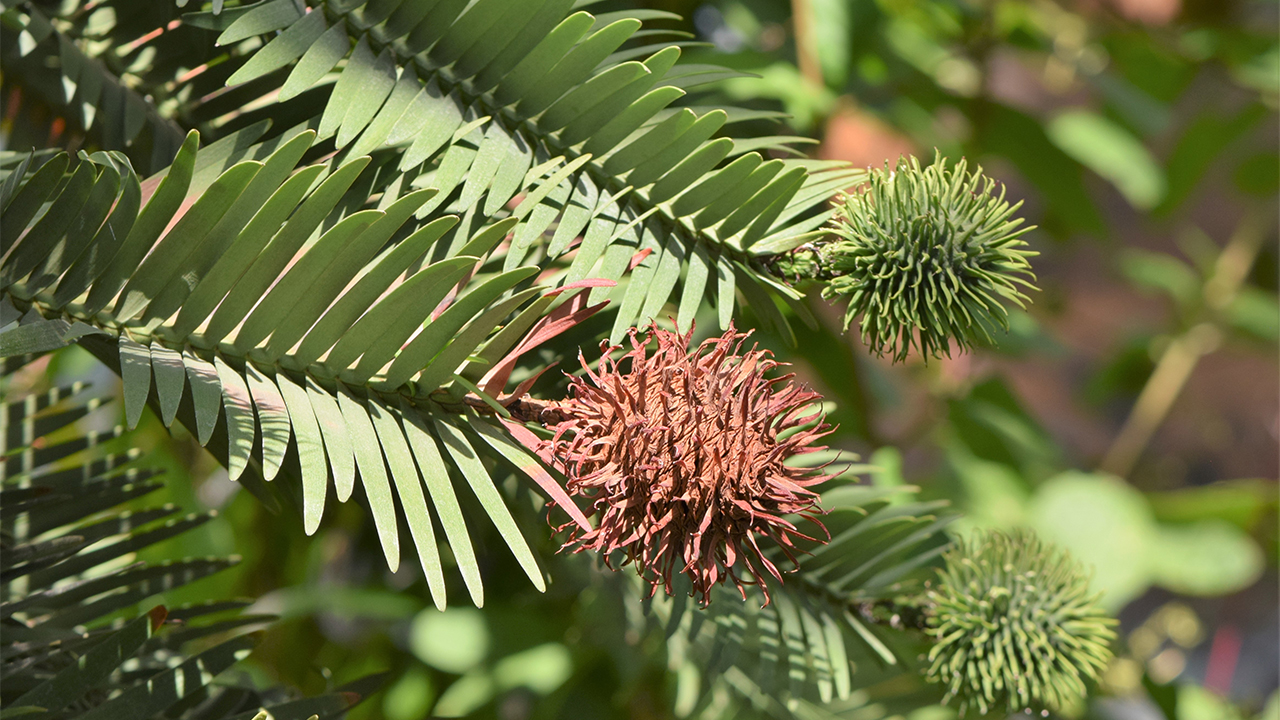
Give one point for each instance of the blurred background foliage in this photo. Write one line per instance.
(1130, 416)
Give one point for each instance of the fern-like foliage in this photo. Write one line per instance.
(395, 202)
(813, 645)
(338, 286)
(73, 644)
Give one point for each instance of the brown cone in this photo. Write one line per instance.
(682, 455)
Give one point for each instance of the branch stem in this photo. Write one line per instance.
(1183, 353)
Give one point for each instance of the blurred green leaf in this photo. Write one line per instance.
(1022, 139)
(994, 426)
(1112, 152)
(782, 81)
(1198, 703)
(454, 641)
(1262, 72)
(1259, 174)
(1123, 376)
(410, 697)
(346, 602)
(542, 669)
(1257, 313)
(1163, 273)
(832, 31)
(1203, 140)
(996, 495)
(465, 696)
(1239, 502)
(1105, 524)
(1211, 557)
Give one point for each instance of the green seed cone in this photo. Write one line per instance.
(927, 257)
(1014, 625)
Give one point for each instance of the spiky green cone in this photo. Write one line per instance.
(1014, 625)
(927, 257)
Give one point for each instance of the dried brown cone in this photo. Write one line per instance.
(682, 455)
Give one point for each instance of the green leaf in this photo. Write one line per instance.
(267, 266)
(315, 471)
(636, 288)
(545, 187)
(468, 463)
(82, 230)
(412, 500)
(490, 153)
(631, 119)
(536, 224)
(660, 161)
(354, 302)
(406, 90)
(150, 223)
(37, 337)
(575, 66)
(379, 334)
(373, 474)
(171, 378)
(365, 84)
(16, 175)
(1206, 558)
(1113, 153)
(665, 275)
(474, 26)
(589, 94)
(431, 119)
(578, 211)
(520, 457)
(135, 371)
(437, 333)
(1103, 523)
(241, 429)
(691, 169)
(93, 667)
(589, 122)
(436, 475)
(169, 257)
(206, 394)
(597, 239)
(223, 238)
(538, 62)
(282, 49)
(260, 20)
(232, 264)
(34, 193)
(695, 285)
(485, 240)
(329, 265)
(273, 420)
(52, 226)
(784, 186)
(276, 307)
(316, 62)
(725, 289)
(648, 145)
(442, 368)
(736, 197)
(511, 35)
